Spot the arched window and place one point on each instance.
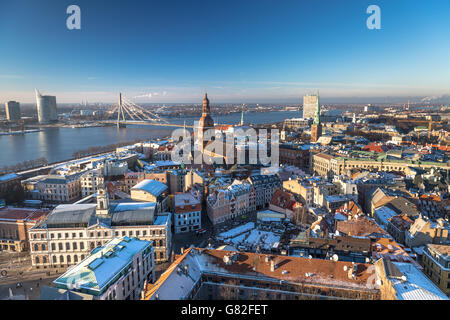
(43, 247)
(44, 259)
(37, 260)
(67, 246)
(61, 258)
(36, 247)
(54, 259)
(74, 246)
(75, 258)
(69, 259)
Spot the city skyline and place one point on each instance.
(264, 52)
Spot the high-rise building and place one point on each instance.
(12, 110)
(310, 105)
(46, 108)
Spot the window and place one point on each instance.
(81, 235)
(67, 246)
(82, 245)
(68, 259)
(53, 247)
(60, 246)
(37, 260)
(36, 247)
(75, 259)
(54, 259)
(74, 246)
(67, 235)
(61, 259)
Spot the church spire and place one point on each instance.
(206, 108)
(317, 116)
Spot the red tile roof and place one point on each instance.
(22, 214)
(360, 227)
(283, 199)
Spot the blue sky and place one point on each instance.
(239, 51)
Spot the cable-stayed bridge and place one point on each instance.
(128, 112)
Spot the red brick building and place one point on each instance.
(14, 226)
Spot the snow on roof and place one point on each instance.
(384, 214)
(7, 177)
(134, 206)
(177, 282)
(153, 187)
(165, 163)
(96, 271)
(162, 219)
(417, 286)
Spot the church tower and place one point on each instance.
(316, 128)
(205, 123)
(102, 201)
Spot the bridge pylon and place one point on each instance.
(119, 112)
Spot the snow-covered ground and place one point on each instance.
(254, 237)
(237, 231)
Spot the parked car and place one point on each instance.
(200, 231)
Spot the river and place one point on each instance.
(58, 144)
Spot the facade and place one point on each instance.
(297, 156)
(70, 232)
(151, 191)
(59, 189)
(397, 227)
(322, 164)
(231, 202)
(14, 226)
(118, 270)
(264, 186)
(46, 108)
(187, 213)
(310, 105)
(90, 181)
(424, 231)
(9, 183)
(436, 263)
(218, 274)
(176, 180)
(301, 188)
(12, 111)
(296, 123)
